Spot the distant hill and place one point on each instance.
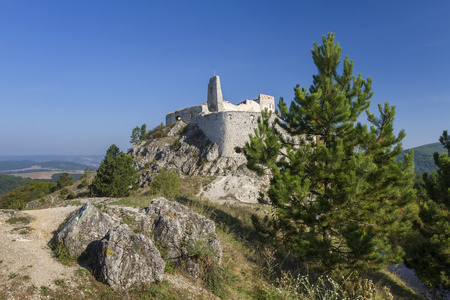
(25, 166)
(423, 157)
(42, 168)
(88, 160)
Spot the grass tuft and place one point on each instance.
(15, 220)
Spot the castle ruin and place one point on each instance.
(223, 123)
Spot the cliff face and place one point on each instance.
(187, 151)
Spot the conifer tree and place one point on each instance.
(336, 188)
(429, 253)
(116, 175)
(138, 134)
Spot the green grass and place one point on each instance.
(44, 290)
(62, 254)
(16, 220)
(397, 286)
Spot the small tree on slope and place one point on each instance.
(336, 188)
(116, 175)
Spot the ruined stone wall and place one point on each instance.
(266, 102)
(229, 129)
(187, 115)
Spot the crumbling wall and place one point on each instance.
(229, 130)
(187, 115)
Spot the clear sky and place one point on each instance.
(78, 76)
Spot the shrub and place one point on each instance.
(15, 220)
(176, 145)
(64, 191)
(156, 133)
(64, 179)
(62, 254)
(166, 183)
(71, 196)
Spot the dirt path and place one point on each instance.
(25, 258)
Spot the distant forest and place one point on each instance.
(423, 157)
(9, 183)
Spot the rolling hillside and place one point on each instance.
(423, 157)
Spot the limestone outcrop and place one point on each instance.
(188, 152)
(129, 247)
(85, 226)
(181, 233)
(125, 260)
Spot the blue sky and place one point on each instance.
(77, 76)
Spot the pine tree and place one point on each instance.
(116, 175)
(429, 252)
(336, 188)
(138, 134)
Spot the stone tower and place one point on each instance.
(215, 98)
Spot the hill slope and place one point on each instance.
(423, 157)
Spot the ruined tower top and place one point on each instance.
(215, 98)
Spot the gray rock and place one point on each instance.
(175, 130)
(185, 237)
(6, 213)
(33, 204)
(195, 155)
(213, 154)
(165, 231)
(86, 225)
(125, 260)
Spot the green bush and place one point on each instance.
(166, 183)
(159, 131)
(15, 220)
(64, 180)
(62, 254)
(176, 145)
(71, 196)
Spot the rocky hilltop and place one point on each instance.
(184, 149)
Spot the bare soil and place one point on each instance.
(25, 258)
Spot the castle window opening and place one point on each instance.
(178, 118)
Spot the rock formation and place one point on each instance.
(127, 246)
(124, 260)
(86, 225)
